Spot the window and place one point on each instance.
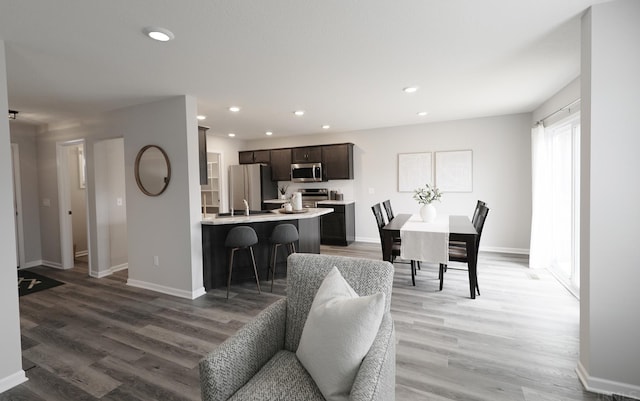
(562, 141)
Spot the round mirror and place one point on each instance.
(152, 170)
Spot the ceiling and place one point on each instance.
(345, 62)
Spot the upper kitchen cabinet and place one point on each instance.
(337, 161)
(280, 164)
(254, 156)
(311, 154)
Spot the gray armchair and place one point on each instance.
(259, 362)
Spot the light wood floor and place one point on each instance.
(98, 339)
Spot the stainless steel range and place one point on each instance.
(311, 196)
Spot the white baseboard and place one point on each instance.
(368, 239)
(49, 263)
(499, 249)
(81, 253)
(496, 249)
(110, 270)
(605, 386)
(31, 264)
(167, 290)
(12, 380)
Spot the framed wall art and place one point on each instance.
(414, 170)
(454, 171)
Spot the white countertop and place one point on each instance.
(324, 202)
(276, 200)
(275, 215)
(335, 202)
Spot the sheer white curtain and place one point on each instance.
(541, 225)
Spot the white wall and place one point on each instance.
(47, 140)
(11, 373)
(111, 216)
(501, 172)
(166, 226)
(609, 320)
(562, 98)
(24, 135)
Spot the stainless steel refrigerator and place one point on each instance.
(253, 183)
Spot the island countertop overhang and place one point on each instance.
(276, 215)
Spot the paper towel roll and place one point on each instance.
(296, 201)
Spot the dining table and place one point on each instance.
(460, 229)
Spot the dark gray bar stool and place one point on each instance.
(282, 234)
(241, 237)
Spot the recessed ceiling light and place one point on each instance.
(299, 113)
(159, 34)
(410, 89)
(234, 109)
(231, 134)
(422, 113)
(201, 117)
(326, 126)
(268, 133)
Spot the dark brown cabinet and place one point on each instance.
(254, 156)
(311, 154)
(280, 164)
(338, 227)
(337, 161)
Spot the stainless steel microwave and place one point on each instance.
(306, 172)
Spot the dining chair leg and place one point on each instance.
(274, 258)
(441, 274)
(232, 251)
(413, 272)
(255, 269)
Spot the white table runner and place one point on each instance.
(427, 242)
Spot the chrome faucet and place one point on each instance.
(246, 207)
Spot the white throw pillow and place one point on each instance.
(337, 335)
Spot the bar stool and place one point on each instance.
(282, 234)
(241, 237)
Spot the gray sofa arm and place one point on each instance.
(376, 379)
(240, 357)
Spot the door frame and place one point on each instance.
(64, 204)
(17, 197)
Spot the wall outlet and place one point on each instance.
(119, 201)
(372, 191)
(46, 202)
(156, 261)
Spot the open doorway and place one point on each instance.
(72, 198)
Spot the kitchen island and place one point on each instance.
(214, 254)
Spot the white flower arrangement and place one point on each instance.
(427, 194)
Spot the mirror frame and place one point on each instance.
(137, 170)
